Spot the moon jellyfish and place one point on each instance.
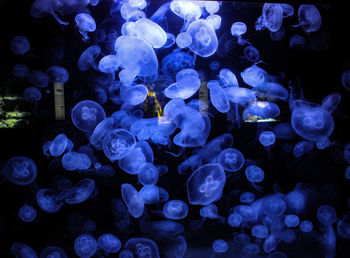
(149, 194)
(205, 185)
(27, 213)
(273, 206)
(302, 147)
(117, 143)
(136, 55)
(212, 6)
(19, 45)
(177, 61)
(175, 209)
(20, 170)
(20, 71)
(238, 29)
(278, 35)
(204, 40)
(126, 254)
(75, 161)
(187, 84)
(247, 197)
(132, 161)
(241, 238)
(21, 250)
(214, 21)
(148, 174)
(150, 32)
(142, 247)
(309, 18)
(87, 58)
(38, 79)
(85, 245)
(183, 40)
(330, 102)
(260, 231)
(80, 192)
(53, 251)
(326, 215)
(267, 138)
(291, 220)
(271, 90)
(254, 75)
(272, 16)
(85, 24)
(109, 243)
(251, 248)
(234, 219)
(32, 94)
(170, 40)
(260, 110)
(58, 145)
(186, 9)
(251, 53)
(132, 200)
(297, 42)
(220, 246)
(306, 226)
(231, 159)
(214, 65)
(134, 94)
(240, 96)
(218, 97)
(57, 74)
(345, 79)
(48, 200)
(109, 64)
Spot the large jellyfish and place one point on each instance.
(271, 90)
(20, 170)
(260, 110)
(254, 75)
(75, 161)
(85, 245)
(79, 192)
(134, 94)
(231, 159)
(85, 24)
(175, 209)
(132, 200)
(142, 247)
(38, 79)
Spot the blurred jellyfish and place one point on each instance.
(240, 96)
(260, 110)
(326, 215)
(88, 57)
(107, 33)
(27, 213)
(260, 231)
(270, 243)
(231, 159)
(148, 174)
(132, 161)
(32, 94)
(19, 45)
(214, 65)
(58, 145)
(297, 42)
(345, 79)
(267, 138)
(183, 40)
(254, 75)
(109, 64)
(237, 30)
(126, 253)
(220, 246)
(20, 170)
(214, 21)
(80, 192)
(272, 16)
(287, 9)
(177, 61)
(306, 226)
(284, 130)
(48, 200)
(20, 71)
(38, 79)
(85, 24)
(234, 219)
(53, 251)
(271, 90)
(21, 250)
(109, 243)
(330, 102)
(187, 10)
(132, 200)
(149, 194)
(247, 197)
(57, 74)
(309, 18)
(343, 226)
(302, 147)
(218, 96)
(75, 161)
(251, 248)
(278, 35)
(175, 209)
(85, 245)
(291, 220)
(251, 53)
(142, 247)
(273, 206)
(134, 94)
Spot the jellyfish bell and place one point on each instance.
(109, 64)
(19, 249)
(27, 213)
(132, 200)
(58, 145)
(220, 246)
(142, 247)
(109, 243)
(309, 18)
(32, 94)
(80, 192)
(135, 94)
(150, 32)
(85, 24)
(57, 74)
(48, 200)
(53, 251)
(260, 110)
(19, 45)
(186, 9)
(272, 14)
(88, 57)
(254, 75)
(85, 245)
(218, 97)
(231, 159)
(38, 79)
(20, 170)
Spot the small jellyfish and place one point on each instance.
(19, 45)
(22, 250)
(132, 161)
(80, 192)
(291, 220)
(270, 243)
(254, 174)
(343, 227)
(87, 58)
(20, 71)
(85, 245)
(297, 42)
(345, 79)
(234, 219)
(301, 148)
(251, 248)
(27, 213)
(20, 170)
(38, 79)
(326, 215)
(170, 41)
(309, 18)
(241, 96)
(241, 238)
(214, 65)
(306, 226)
(149, 194)
(85, 24)
(132, 200)
(183, 40)
(109, 243)
(32, 94)
(273, 206)
(53, 252)
(231, 159)
(247, 197)
(175, 209)
(58, 145)
(218, 97)
(267, 138)
(220, 246)
(260, 231)
(57, 74)
(148, 174)
(48, 200)
(254, 75)
(251, 53)
(134, 94)
(109, 64)
(238, 29)
(142, 247)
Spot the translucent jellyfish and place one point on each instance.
(109, 243)
(251, 249)
(75, 161)
(267, 138)
(272, 16)
(254, 75)
(132, 161)
(330, 102)
(260, 231)
(312, 123)
(183, 40)
(214, 65)
(309, 18)
(80, 192)
(220, 246)
(212, 6)
(205, 185)
(162, 228)
(132, 200)
(53, 251)
(234, 219)
(20, 170)
(284, 131)
(345, 79)
(251, 53)
(306, 226)
(150, 32)
(107, 33)
(134, 94)
(240, 96)
(136, 55)
(302, 147)
(109, 64)
(323, 143)
(241, 238)
(87, 114)
(343, 226)
(297, 42)
(20, 71)
(260, 110)
(291, 220)
(85, 24)
(38, 79)
(187, 84)
(126, 253)
(19, 45)
(273, 206)
(48, 200)
(231, 159)
(270, 244)
(148, 174)
(247, 197)
(88, 57)
(248, 213)
(175, 209)
(170, 41)
(218, 97)
(238, 29)
(271, 90)
(20, 250)
(204, 40)
(85, 245)
(214, 20)
(57, 74)
(142, 247)
(326, 215)
(186, 9)
(27, 213)
(177, 61)
(278, 35)
(32, 94)
(149, 194)
(58, 145)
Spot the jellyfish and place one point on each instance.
(170, 41)
(271, 90)
(205, 185)
(107, 33)
(306, 226)
(109, 64)
(343, 226)
(109, 243)
(183, 40)
(302, 147)
(151, 32)
(291, 220)
(272, 16)
(134, 94)
(142, 247)
(231, 159)
(220, 246)
(19, 45)
(175, 209)
(260, 231)
(38, 79)
(80, 192)
(273, 206)
(20, 71)
(20, 250)
(251, 248)
(251, 53)
(214, 65)
(187, 84)
(75, 161)
(57, 74)
(53, 251)
(85, 24)
(27, 213)
(330, 102)
(32, 94)
(187, 10)
(284, 130)
(234, 219)
(267, 138)
(260, 110)
(210, 211)
(218, 97)
(345, 79)
(241, 238)
(326, 215)
(48, 200)
(177, 61)
(237, 30)
(126, 254)
(148, 174)
(132, 161)
(248, 213)
(297, 42)
(58, 145)
(20, 170)
(204, 39)
(270, 243)
(247, 197)
(88, 57)
(132, 200)
(214, 20)
(254, 75)
(162, 228)
(241, 96)
(149, 194)
(309, 18)
(278, 35)
(85, 245)
(323, 143)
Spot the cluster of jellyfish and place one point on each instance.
(125, 48)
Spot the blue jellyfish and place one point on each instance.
(267, 138)
(107, 33)
(297, 42)
(170, 41)
(302, 147)
(241, 238)
(220, 246)
(57, 74)
(85, 24)
(271, 90)
(20, 71)
(347, 173)
(20, 250)
(148, 152)
(237, 30)
(291, 220)
(19, 45)
(132, 161)
(175, 209)
(183, 40)
(254, 75)
(48, 200)
(148, 174)
(326, 215)
(58, 145)
(309, 18)
(306, 226)
(271, 18)
(214, 65)
(251, 53)
(234, 219)
(288, 10)
(323, 143)
(142, 247)
(38, 79)
(231, 159)
(126, 253)
(88, 57)
(90, 225)
(187, 84)
(109, 243)
(162, 228)
(205, 185)
(254, 174)
(240, 96)
(20, 170)
(345, 79)
(251, 248)
(218, 97)
(176, 61)
(210, 211)
(270, 243)
(278, 35)
(212, 6)
(87, 114)
(247, 197)
(85, 245)
(273, 206)
(187, 10)
(330, 102)
(149, 194)
(151, 32)
(27, 213)
(100, 131)
(75, 161)
(132, 200)
(134, 94)
(284, 130)
(53, 251)
(343, 226)
(260, 110)
(80, 192)
(214, 20)
(109, 64)
(248, 213)
(260, 231)
(32, 94)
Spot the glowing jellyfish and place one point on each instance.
(58, 145)
(187, 84)
(214, 20)
(186, 9)
(271, 90)
(204, 40)
(254, 75)
(205, 185)
(238, 29)
(326, 215)
(260, 110)
(19, 45)
(345, 79)
(32, 94)
(170, 40)
(85, 245)
(142, 247)
(87, 58)
(27, 213)
(136, 55)
(48, 200)
(80, 192)
(302, 147)
(57, 74)
(218, 97)
(267, 138)
(312, 123)
(183, 40)
(150, 32)
(75, 161)
(306, 226)
(220, 246)
(247, 197)
(273, 206)
(214, 65)
(87, 114)
(212, 6)
(85, 24)
(251, 53)
(175, 209)
(163, 228)
(251, 248)
(134, 94)
(240, 96)
(260, 231)
(291, 220)
(343, 227)
(109, 64)
(20, 250)
(297, 42)
(149, 194)
(270, 243)
(107, 33)
(231, 159)
(38, 79)
(132, 200)
(126, 253)
(148, 174)
(248, 213)
(20, 170)
(309, 18)
(177, 61)
(271, 18)
(109, 243)
(330, 102)
(53, 251)
(132, 161)
(234, 219)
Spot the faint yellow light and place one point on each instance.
(157, 107)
